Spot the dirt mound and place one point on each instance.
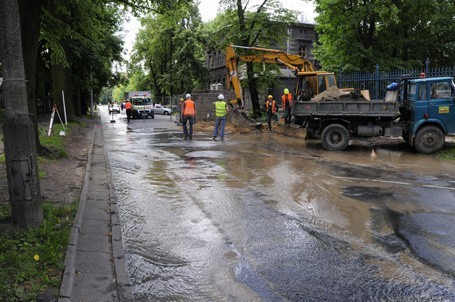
(334, 94)
(208, 126)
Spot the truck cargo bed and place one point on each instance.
(346, 108)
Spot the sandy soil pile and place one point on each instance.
(330, 95)
(208, 126)
(334, 94)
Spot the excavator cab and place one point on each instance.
(314, 83)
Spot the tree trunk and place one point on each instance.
(18, 129)
(62, 82)
(30, 13)
(252, 85)
(77, 99)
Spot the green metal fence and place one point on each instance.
(377, 81)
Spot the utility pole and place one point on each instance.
(18, 129)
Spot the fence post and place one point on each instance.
(427, 63)
(376, 81)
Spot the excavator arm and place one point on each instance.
(264, 55)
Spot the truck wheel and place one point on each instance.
(335, 137)
(429, 139)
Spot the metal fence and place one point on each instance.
(377, 81)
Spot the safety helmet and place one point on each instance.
(286, 91)
(188, 95)
(221, 97)
(270, 97)
(181, 99)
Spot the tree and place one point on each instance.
(19, 54)
(266, 24)
(358, 34)
(20, 145)
(168, 53)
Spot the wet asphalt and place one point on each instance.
(263, 217)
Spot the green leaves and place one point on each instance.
(358, 34)
(168, 57)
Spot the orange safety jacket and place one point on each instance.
(128, 105)
(286, 99)
(274, 108)
(189, 108)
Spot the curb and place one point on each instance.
(70, 257)
(121, 277)
(120, 269)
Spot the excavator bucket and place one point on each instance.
(240, 119)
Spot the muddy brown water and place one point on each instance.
(272, 218)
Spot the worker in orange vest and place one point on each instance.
(189, 116)
(271, 108)
(129, 110)
(286, 102)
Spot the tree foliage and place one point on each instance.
(358, 34)
(81, 38)
(262, 25)
(168, 53)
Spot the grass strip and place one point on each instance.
(31, 261)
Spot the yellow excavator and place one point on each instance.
(309, 81)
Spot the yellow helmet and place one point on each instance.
(270, 97)
(286, 91)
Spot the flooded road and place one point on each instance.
(262, 217)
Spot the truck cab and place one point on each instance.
(429, 105)
(142, 107)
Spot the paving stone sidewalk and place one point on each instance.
(95, 268)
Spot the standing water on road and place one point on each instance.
(262, 217)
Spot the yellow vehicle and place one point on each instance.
(308, 79)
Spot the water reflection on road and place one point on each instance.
(262, 217)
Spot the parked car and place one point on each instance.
(160, 109)
(114, 107)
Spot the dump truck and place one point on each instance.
(422, 113)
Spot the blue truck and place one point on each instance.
(422, 113)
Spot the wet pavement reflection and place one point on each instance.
(263, 217)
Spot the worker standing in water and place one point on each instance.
(271, 109)
(286, 102)
(221, 110)
(128, 108)
(188, 116)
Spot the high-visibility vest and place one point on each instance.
(286, 99)
(220, 108)
(189, 108)
(273, 104)
(128, 105)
